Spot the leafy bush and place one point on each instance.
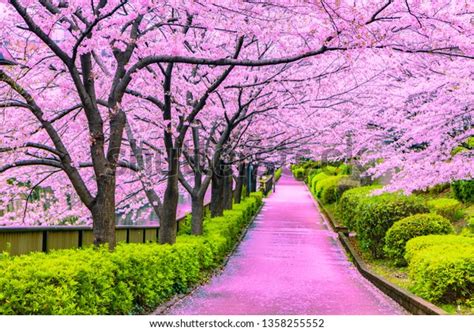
(349, 201)
(131, 279)
(442, 268)
(316, 179)
(326, 189)
(344, 185)
(376, 214)
(344, 169)
(470, 224)
(330, 170)
(449, 208)
(298, 173)
(418, 244)
(278, 173)
(411, 227)
(439, 188)
(311, 174)
(463, 190)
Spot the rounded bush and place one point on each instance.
(376, 214)
(418, 244)
(443, 272)
(330, 170)
(326, 189)
(344, 169)
(349, 201)
(463, 190)
(344, 185)
(449, 208)
(410, 227)
(316, 179)
(311, 174)
(298, 173)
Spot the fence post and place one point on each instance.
(45, 240)
(79, 243)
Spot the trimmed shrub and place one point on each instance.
(443, 270)
(418, 244)
(410, 227)
(449, 208)
(376, 214)
(439, 188)
(278, 174)
(463, 190)
(470, 224)
(344, 169)
(298, 173)
(330, 170)
(349, 201)
(344, 185)
(311, 174)
(132, 279)
(316, 179)
(326, 189)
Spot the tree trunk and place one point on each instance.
(228, 181)
(254, 178)
(168, 224)
(240, 183)
(103, 213)
(217, 195)
(197, 214)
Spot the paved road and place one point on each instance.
(289, 262)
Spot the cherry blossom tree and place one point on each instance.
(91, 70)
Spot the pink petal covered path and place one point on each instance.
(289, 262)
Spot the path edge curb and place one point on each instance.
(412, 303)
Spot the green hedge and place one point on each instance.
(418, 244)
(410, 227)
(349, 201)
(344, 185)
(298, 172)
(326, 189)
(132, 279)
(344, 169)
(442, 268)
(449, 208)
(463, 190)
(315, 179)
(278, 173)
(311, 174)
(376, 214)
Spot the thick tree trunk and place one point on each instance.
(217, 195)
(254, 178)
(168, 224)
(197, 214)
(240, 183)
(103, 213)
(228, 194)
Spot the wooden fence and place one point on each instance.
(22, 240)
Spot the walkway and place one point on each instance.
(288, 263)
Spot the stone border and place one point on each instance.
(331, 222)
(164, 307)
(412, 303)
(407, 300)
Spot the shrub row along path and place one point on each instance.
(289, 262)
